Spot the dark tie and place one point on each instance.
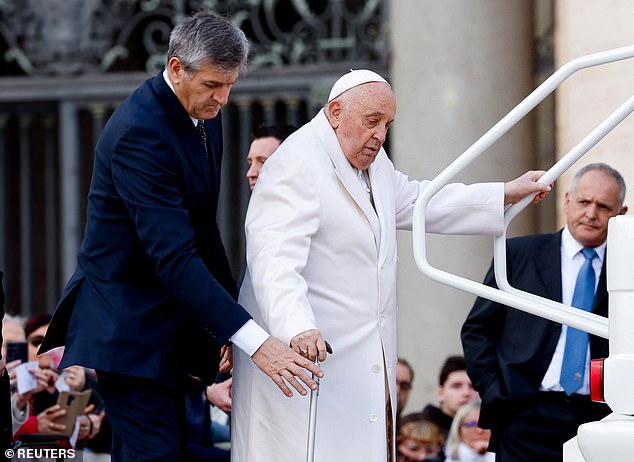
(203, 135)
(574, 362)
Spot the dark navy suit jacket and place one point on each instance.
(508, 351)
(153, 295)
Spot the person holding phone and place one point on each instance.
(31, 410)
(15, 351)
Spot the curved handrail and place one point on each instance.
(506, 294)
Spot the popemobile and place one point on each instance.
(612, 378)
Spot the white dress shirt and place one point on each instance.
(571, 261)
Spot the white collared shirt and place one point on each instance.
(166, 77)
(571, 261)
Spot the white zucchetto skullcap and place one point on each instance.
(352, 79)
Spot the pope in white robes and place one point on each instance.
(321, 252)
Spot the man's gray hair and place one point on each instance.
(605, 168)
(207, 38)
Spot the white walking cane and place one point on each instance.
(312, 415)
(312, 419)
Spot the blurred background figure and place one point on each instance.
(265, 141)
(467, 442)
(418, 439)
(453, 391)
(6, 430)
(35, 329)
(202, 436)
(404, 383)
(36, 411)
(12, 331)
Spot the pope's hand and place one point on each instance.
(285, 366)
(310, 344)
(524, 185)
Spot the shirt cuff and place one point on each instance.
(249, 337)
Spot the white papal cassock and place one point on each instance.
(320, 256)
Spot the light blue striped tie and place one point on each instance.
(574, 362)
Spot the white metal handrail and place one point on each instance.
(507, 294)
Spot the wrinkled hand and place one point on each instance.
(283, 365)
(524, 185)
(226, 359)
(219, 394)
(310, 344)
(46, 420)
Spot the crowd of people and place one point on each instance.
(36, 383)
(448, 431)
(153, 329)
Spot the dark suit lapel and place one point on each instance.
(185, 130)
(601, 297)
(547, 263)
(214, 135)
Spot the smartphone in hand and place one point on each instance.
(74, 402)
(17, 350)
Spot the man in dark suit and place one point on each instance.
(152, 298)
(518, 361)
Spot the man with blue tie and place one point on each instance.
(531, 373)
(152, 300)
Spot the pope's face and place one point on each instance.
(204, 92)
(588, 209)
(361, 119)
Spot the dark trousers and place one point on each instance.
(147, 418)
(540, 427)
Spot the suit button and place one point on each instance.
(376, 369)
(373, 418)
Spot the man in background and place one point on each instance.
(265, 141)
(453, 391)
(532, 373)
(404, 383)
